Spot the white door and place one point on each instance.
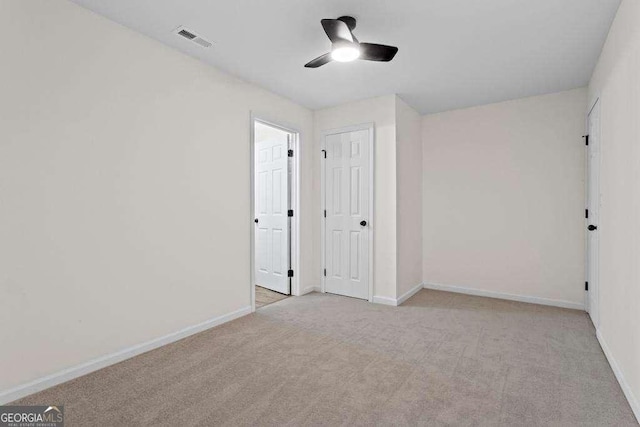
(272, 222)
(593, 212)
(347, 180)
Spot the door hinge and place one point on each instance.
(324, 152)
(290, 213)
(586, 213)
(325, 213)
(586, 286)
(290, 273)
(290, 153)
(325, 272)
(586, 139)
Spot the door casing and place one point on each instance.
(294, 201)
(371, 228)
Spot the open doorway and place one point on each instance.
(275, 224)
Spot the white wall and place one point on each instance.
(124, 188)
(124, 191)
(409, 198)
(616, 81)
(380, 111)
(504, 197)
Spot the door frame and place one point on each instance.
(371, 128)
(594, 289)
(294, 201)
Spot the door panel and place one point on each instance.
(272, 204)
(278, 244)
(262, 253)
(335, 250)
(347, 174)
(593, 204)
(355, 254)
(355, 191)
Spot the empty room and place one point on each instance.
(319, 212)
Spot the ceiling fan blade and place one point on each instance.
(319, 61)
(377, 52)
(336, 30)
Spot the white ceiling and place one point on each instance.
(453, 53)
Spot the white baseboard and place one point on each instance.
(500, 295)
(397, 301)
(110, 359)
(385, 301)
(633, 402)
(411, 292)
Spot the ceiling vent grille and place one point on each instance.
(192, 37)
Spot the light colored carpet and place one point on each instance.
(266, 296)
(440, 359)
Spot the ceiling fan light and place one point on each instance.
(345, 53)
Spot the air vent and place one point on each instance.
(187, 35)
(202, 42)
(192, 37)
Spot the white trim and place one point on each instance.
(252, 212)
(372, 201)
(371, 128)
(323, 206)
(411, 292)
(295, 202)
(633, 401)
(591, 107)
(398, 301)
(510, 297)
(113, 358)
(385, 301)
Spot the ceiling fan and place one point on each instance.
(346, 47)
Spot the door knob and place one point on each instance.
(363, 223)
(592, 227)
(255, 220)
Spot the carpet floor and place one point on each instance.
(266, 296)
(439, 359)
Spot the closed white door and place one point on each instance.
(347, 180)
(593, 212)
(272, 222)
